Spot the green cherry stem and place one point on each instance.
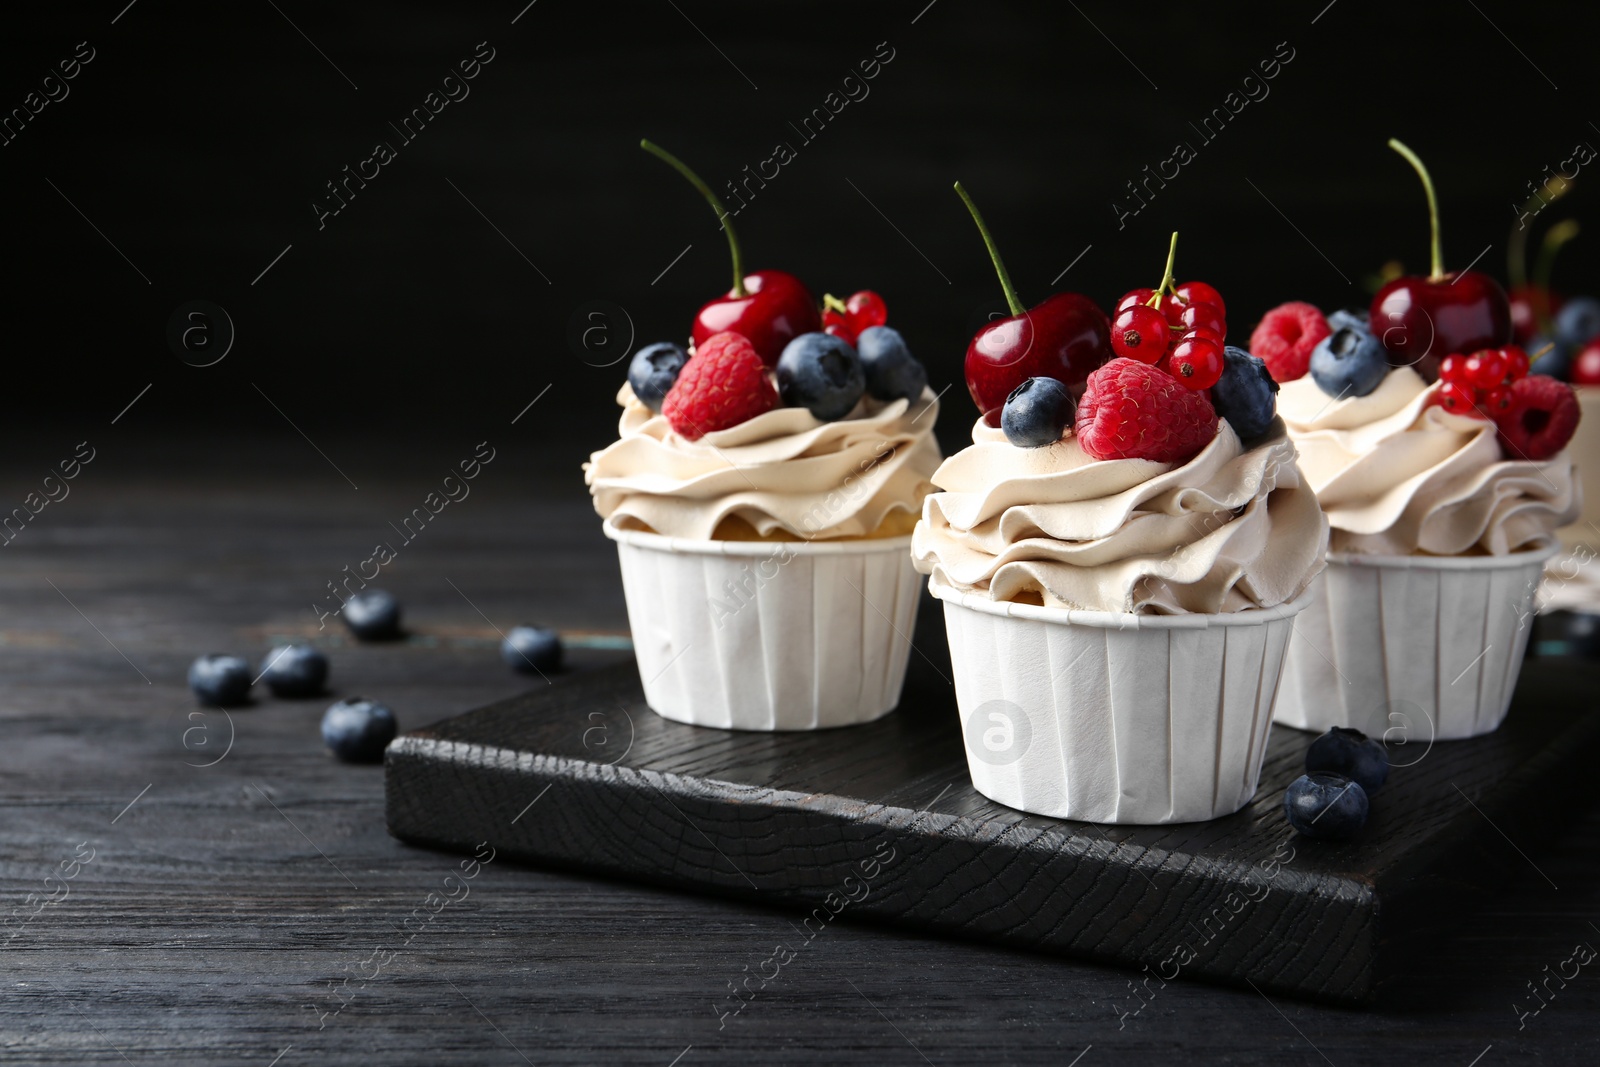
(1166, 276)
(1554, 238)
(716, 205)
(1012, 300)
(1433, 205)
(1517, 243)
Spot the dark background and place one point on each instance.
(200, 135)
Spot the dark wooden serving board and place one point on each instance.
(881, 823)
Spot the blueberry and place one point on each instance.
(531, 649)
(893, 373)
(295, 671)
(373, 615)
(1329, 807)
(1557, 362)
(357, 730)
(1354, 319)
(1245, 395)
(1036, 413)
(1352, 754)
(219, 680)
(653, 370)
(822, 374)
(1349, 362)
(1578, 321)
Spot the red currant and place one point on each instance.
(1485, 369)
(1204, 317)
(1196, 362)
(1516, 362)
(1172, 307)
(841, 331)
(1453, 369)
(866, 309)
(1458, 399)
(1201, 293)
(1209, 335)
(1496, 402)
(1133, 297)
(1140, 333)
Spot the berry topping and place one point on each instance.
(723, 384)
(1037, 413)
(357, 730)
(1540, 419)
(1131, 410)
(864, 310)
(1517, 362)
(1352, 754)
(1140, 333)
(1203, 317)
(1458, 399)
(1201, 293)
(1285, 338)
(1134, 297)
(1327, 807)
(653, 370)
(1485, 369)
(1350, 361)
(1586, 368)
(1196, 362)
(893, 373)
(1245, 395)
(822, 374)
(1338, 320)
(1578, 321)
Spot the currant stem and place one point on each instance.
(1012, 300)
(716, 205)
(1517, 244)
(1433, 205)
(1166, 276)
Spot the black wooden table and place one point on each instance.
(177, 900)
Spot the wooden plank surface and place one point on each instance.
(227, 898)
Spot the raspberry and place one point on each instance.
(723, 384)
(1285, 337)
(1540, 420)
(1132, 410)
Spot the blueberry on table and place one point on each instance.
(654, 370)
(357, 730)
(220, 680)
(531, 649)
(822, 374)
(1352, 754)
(295, 671)
(893, 373)
(373, 615)
(1350, 361)
(1037, 413)
(1246, 394)
(1327, 807)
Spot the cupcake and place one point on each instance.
(1440, 463)
(761, 493)
(1119, 579)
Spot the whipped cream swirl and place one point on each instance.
(783, 475)
(1399, 476)
(1229, 530)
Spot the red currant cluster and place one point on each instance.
(1180, 329)
(1480, 385)
(845, 319)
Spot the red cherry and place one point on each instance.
(1196, 362)
(1132, 297)
(1517, 362)
(866, 309)
(1201, 293)
(1453, 369)
(1204, 317)
(1485, 369)
(1586, 367)
(1457, 399)
(775, 309)
(1140, 333)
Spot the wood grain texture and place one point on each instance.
(207, 921)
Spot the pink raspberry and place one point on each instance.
(1132, 410)
(723, 384)
(1284, 338)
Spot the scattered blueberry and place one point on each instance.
(893, 373)
(357, 730)
(822, 374)
(1350, 361)
(295, 671)
(1328, 807)
(1037, 412)
(1352, 319)
(1352, 754)
(531, 649)
(653, 370)
(373, 615)
(1245, 395)
(1578, 321)
(1557, 362)
(219, 680)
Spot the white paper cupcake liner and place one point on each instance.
(1412, 648)
(1115, 718)
(756, 635)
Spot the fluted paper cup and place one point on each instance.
(1415, 648)
(1115, 718)
(758, 635)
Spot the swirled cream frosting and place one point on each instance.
(1229, 530)
(783, 475)
(1399, 476)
